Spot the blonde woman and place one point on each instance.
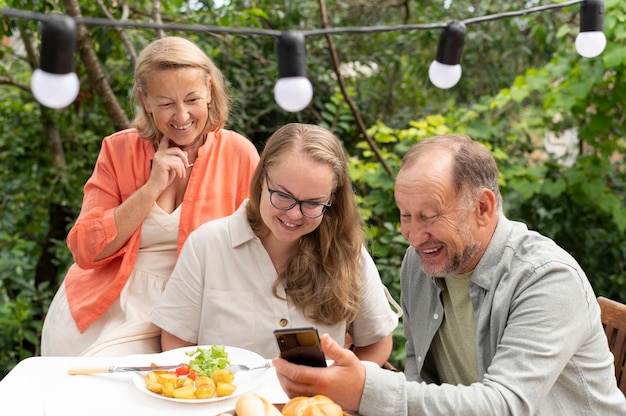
(152, 185)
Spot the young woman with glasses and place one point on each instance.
(292, 256)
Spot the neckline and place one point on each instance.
(190, 145)
(164, 212)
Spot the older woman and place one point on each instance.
(151, 187)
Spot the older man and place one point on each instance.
(499, 320)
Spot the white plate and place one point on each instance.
(244, 380)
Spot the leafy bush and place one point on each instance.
(46, 156)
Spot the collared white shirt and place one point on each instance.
(221, 293)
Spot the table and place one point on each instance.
(41, 386)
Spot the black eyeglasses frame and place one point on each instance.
(296, 201)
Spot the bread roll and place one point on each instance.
(312, 406)
(255, 405)
(250, 405)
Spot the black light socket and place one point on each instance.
(291, 54)
(58, 44)
(592, 16)
(451, 41)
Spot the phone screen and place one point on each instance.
(300, 346)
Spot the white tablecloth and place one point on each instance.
(41, 386)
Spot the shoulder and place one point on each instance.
(211, 230)
(528, 245)
(233, 140)
(126, 144)
(126, 139)
(230, 229)
(517, 254)
(366, 260)
(124, 136)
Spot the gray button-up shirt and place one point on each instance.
(540, 343)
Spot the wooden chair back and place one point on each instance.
(614, 321)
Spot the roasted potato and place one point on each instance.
(183, 387)
(223, 376)
(224, 389)
(205, 391)
(185, 392)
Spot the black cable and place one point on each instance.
(93, 21)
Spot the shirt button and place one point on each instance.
(436, 316)
(283, 322)
(419, 359)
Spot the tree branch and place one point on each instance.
(94, 70)
(156, 16)
(4, 80)
(346, 95)
(127, 43)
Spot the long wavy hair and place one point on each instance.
(323, 276)
(173, 52)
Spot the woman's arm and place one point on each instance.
(377, 352)
(169, 341)
(106, 223)
(167, 165)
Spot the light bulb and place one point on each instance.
(55, 85)
(590, 44)
(293, 94)
(591, 41)
(444, 76)
(293, 90)
(54, 90)
(445, 71)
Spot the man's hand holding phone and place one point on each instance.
(343, 381)
(300, 346)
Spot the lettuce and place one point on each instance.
(208, 360)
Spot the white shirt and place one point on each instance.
(221, 293)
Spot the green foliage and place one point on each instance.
(20, 327)
(521, 79)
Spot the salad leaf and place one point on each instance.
(208, 360)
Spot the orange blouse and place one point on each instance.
(218, 184)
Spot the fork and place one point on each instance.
(240, 367)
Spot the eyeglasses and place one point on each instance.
(285, 202)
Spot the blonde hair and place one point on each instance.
(172, 53)
(323, 277)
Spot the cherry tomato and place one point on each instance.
(192, 374)
(183, 370)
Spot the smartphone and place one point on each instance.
(300, 346)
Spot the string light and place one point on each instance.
(54, 84)
(293, 90)
(445, 71)
(591, 41)
(291, 48)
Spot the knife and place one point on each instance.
(115, 369)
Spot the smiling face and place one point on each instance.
(178, 100)
(444, 228)
(303, 179)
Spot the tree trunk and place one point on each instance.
(94, 70)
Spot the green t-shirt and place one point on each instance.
(454, 346)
